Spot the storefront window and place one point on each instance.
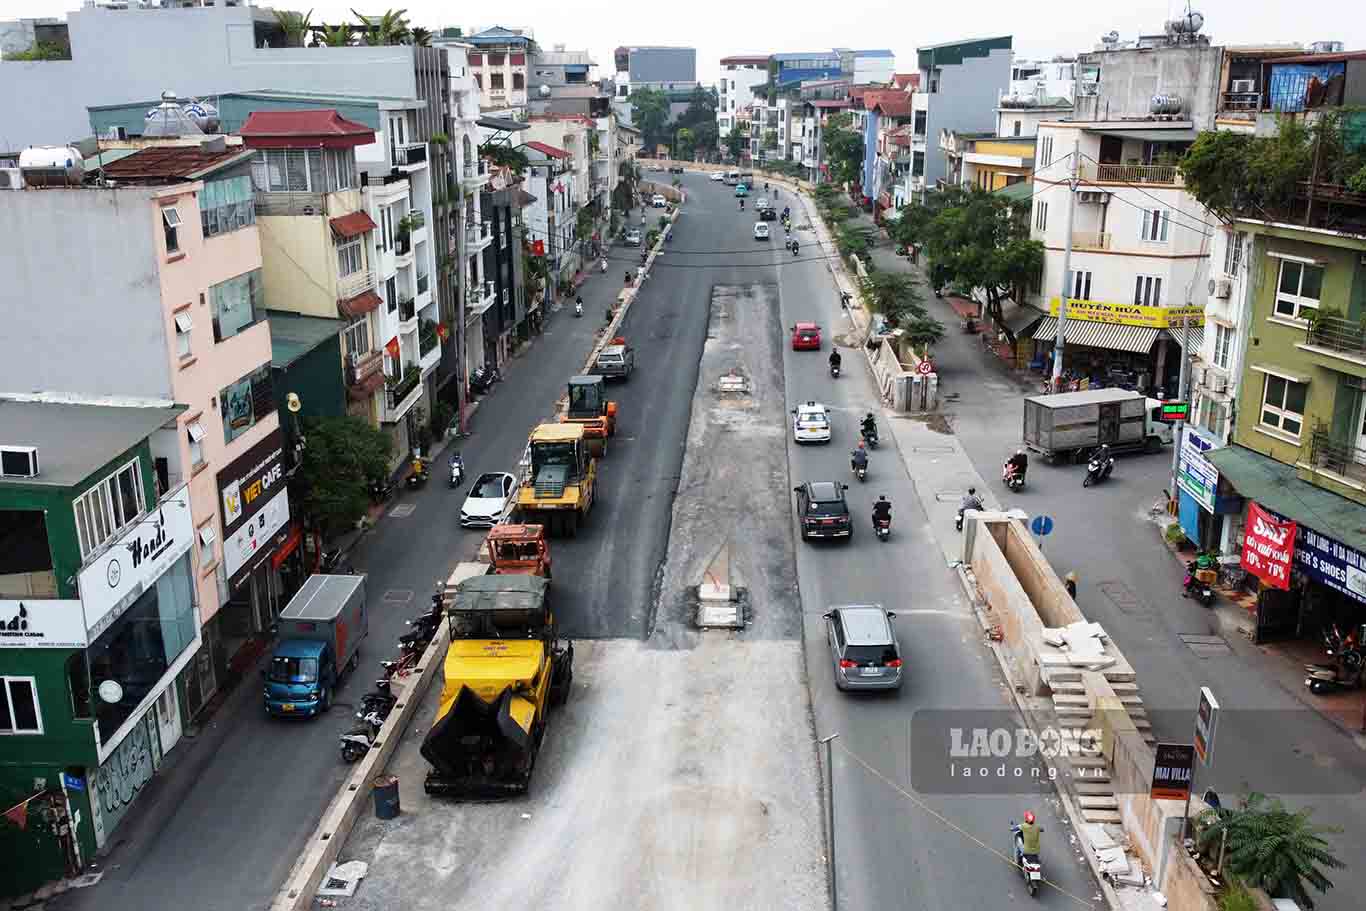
(137, 649)
(245, 402)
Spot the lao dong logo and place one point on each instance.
(1009, 752)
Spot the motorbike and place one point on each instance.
(578, 308)
(1013, 478)
(1191, 585)
(381, 700)
(861, 472)
(457, 470)
(1349, 663)
(1098, 470)
(381, 489)
(794, 248)
(1030, 867)
(834, 371)
(882, 528)
(483, 378)
(870, 437)
(333, 563)
(356, 742)
(958, 522)
(420, 474)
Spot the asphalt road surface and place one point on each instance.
(896, 847)
(219, 830)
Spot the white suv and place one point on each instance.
(761, 230)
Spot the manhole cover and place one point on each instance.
(398, 596)
(1206, 646)
(1124, 598)
(402, 510)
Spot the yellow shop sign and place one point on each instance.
(1129, 314)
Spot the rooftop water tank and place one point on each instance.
(52, 166)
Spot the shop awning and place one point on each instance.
(1277, 487)
(1197, 336)
(353, 225)
(1115, 337)
(1019, 320)
(361, 304)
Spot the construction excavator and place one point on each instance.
(504, 669)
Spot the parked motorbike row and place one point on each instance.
(1348, 662)
(376, 705)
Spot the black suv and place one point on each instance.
(822, 510)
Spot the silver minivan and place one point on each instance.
(863, 647)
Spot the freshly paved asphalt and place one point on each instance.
(221, 827)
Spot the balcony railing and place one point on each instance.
(410, 153)
(1090, 240)
(1341, 457)
(1240, 102)
(417, 218)
(423, 283)
(476, 173)
(360, 367)
(1137, 173)
(1338, 334)
(406, 310)
(291, 204)
(348, 286)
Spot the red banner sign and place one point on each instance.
(1268, 547)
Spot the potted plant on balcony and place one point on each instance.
(403, 236)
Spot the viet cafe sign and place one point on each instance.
(1129, 314)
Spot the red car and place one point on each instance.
(806, 337)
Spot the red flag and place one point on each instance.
(441, 331)
(391, 346)
(1268, 547)
(19, 815)
(538, 248)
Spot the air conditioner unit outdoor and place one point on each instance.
(1197, 376)
(1243, 86)
(1091, 196)
(11, 179)
(1223, 288)
(19, 461)
(1220, 384)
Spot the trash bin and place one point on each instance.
(386, 797)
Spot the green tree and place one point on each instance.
(294, 25)
(853, 240)
(1271, 847)
(896, 296)
(684, 144)
(981, 240)
(504, 157)
(336, 35)
(650, 109)
(421, 37)
(843, 149)
(736, 141)
(389, 28)
(340, 459)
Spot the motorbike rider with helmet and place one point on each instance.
(834, 359)
(869, 427)
(1018, 464)
(859, 457)
(882, 509)
(1027, 837)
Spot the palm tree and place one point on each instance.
(421, 37)
(294, 25)
(1271, 847)
(390, 28)
(337, 35)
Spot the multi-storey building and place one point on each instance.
(669, 69)
(740, 77)
(1055, 78)
(99, 589)
(562, 82)
(174, 228)
(498, 60)
(959, 87)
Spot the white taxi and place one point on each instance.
(810, 423)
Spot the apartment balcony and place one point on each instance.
(1338, 456)
(477, 237)
(364, 374)
(429, 345)
(1162, 175)
(1243, 105)
(410, 155)
(403, 251)
(401, 395)
(1090, 240)
(349, 286)
(268, 204)
(481, 297)
(475, 176)
(1340, 345)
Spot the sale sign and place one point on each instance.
(1268, 547)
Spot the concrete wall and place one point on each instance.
(82, 270)
(1008, 604)
(1129, 78)
(966, 102)
(664, 64)
(123, 55)
(299, 258)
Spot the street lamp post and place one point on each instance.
(830, 815)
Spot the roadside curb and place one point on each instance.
(1074, 817)
(334, 827)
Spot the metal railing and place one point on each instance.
(1090, 240)
(476, 172)
(410, 153)
(1341, 457)
(397, 392)
(406, 310)
(1137, 173)
(361, 367)
(348, 286)
(291, 203)
(1339, 334)
(1240, 102)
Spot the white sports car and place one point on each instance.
(717, 175)
(488, 500)
(810, 423)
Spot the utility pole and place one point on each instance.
(1058, 337)
(1181, 380)
(830, 815)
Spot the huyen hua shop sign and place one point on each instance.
(255, 505)
(111, 582)
(1129, 314)
(1268, 547)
